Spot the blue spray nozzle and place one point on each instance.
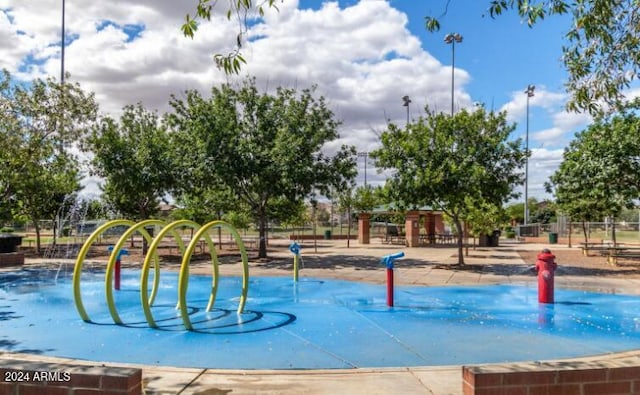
(388, 259)
(294, 248)
(123, 251)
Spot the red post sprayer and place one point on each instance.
(388, 261)
(545, 267)
(116, 278)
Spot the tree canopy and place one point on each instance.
(599, 174)
(268, 149)
(40, 123)
(132, 155)
(452, 163)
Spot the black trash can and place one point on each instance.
(9, 242)
(495, 238)
(327, 235)
(553, 238)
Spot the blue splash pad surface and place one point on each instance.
(315, 323)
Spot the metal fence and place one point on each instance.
(625, 231)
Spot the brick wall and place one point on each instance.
(11, 259)
(562, 378)
(21, 377)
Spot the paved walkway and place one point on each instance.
(421, 266)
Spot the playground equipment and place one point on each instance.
(388, 261)
(295, 249)
(545, 266)
(147, 299)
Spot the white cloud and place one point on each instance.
(517, 108)
(363, 63)
(542, 164)
(571, 120)
(551, 126)
(550, 134)
(363, 59)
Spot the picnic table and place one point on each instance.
(595, 246)
(621, 251)
(611, 250)
(249, 242)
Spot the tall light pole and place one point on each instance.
(364, 155)
(62, 46)
(452, 38)
(529, 93)
(406, 101)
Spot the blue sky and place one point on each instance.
(363, 56)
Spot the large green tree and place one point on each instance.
(264, 147)
(40, 124)
(133, 156)
(600, 55)
(599, 174)
(453, 163)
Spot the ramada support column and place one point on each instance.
(412, 228)
(430, 227)
(439, 223)
(363, 228)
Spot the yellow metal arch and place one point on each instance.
(77, 271)
(144, 297)
(183, 279)
(108, 277)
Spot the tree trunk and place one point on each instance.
(55, 232)
(348, 227)
(220, 231)
(460, 243)
(613, 231)
(37, 225)
(331, 218)
(315, 237)
(145, 243)
(262, 232)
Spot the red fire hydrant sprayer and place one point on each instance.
(388, 261)
(545, 267)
